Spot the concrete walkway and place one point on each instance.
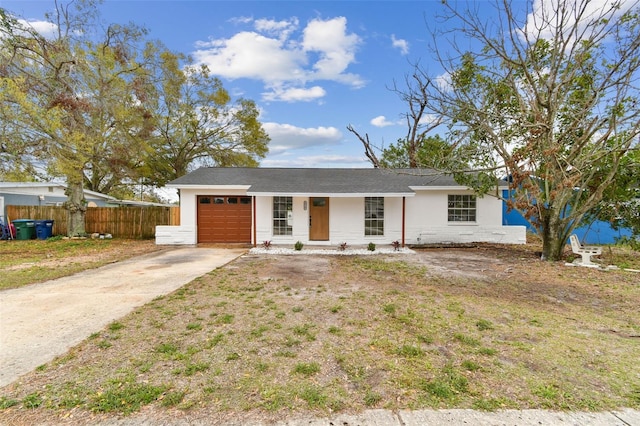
(39, 322)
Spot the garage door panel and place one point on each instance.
(224, 219)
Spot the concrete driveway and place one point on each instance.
(39, 322)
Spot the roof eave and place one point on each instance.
(207, 187)
(331, 194)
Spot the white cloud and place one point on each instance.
(428, 119)
(336, 48)
(44, 28)
(401, 44)
(284, 57)
(251, 55)
(546, 15)
(294, 94)
(285, 137)
(443, 82)
(381, 121)
(281, 29)
(241, 20)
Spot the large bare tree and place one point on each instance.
(547, 96)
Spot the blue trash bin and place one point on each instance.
(44, 229)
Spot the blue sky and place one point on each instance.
(313, 67)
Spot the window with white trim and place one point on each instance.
(282, 213)
(373, 216)
(462, 208)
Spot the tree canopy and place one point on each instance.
(197, 123)
(104, 108)
(69, 98)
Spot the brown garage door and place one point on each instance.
(224, 219)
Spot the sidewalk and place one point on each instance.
(41, 321)
(454, 417)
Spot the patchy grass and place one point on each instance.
(33, 261)
(267, 335)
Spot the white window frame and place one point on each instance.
(462, 208)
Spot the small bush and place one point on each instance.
(266, 244)
(396, 245)
(343, 246)
(298, 245)
(371, 247)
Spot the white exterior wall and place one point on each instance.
(346, 222)
(425, 220)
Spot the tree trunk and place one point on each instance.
(552, 241)
(77, 207)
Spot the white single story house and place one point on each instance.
(331, 206)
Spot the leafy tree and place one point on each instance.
(197, 123)
(430, 152)
(70, 98)
(548, 99)
(621, 203)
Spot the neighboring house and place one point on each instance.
(45, 194)
(596, 232)
(136, 203)
(331, 206)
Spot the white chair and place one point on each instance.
(585, 251)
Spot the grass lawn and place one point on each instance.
(30, 261)
(485, 328)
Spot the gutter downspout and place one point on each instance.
(403, 214)
(255, 232)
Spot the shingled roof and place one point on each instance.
(292, 181)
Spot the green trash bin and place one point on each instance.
(25, 229)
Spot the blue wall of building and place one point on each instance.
(597, 232)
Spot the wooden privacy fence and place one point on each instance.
(121, 222)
